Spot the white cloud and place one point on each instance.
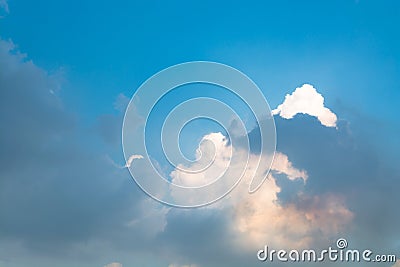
(214, 160)
(260, 217)
(216, 151)
(306, 100)
(113, 264)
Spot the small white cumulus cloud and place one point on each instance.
(306, 100)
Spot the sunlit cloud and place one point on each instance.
(261, 217)
(306, 100)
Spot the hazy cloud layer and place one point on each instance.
(56, 194)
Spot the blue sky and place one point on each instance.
(64, 198)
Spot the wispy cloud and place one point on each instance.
(131, 159)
